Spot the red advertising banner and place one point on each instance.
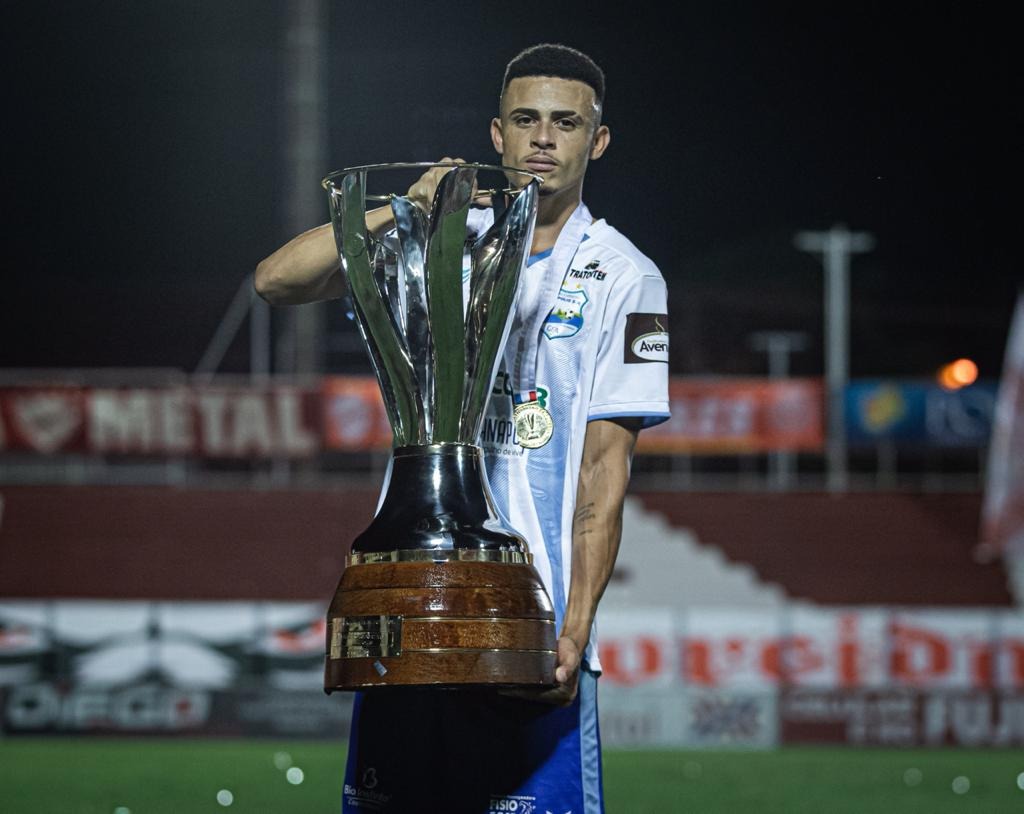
(721, 416)
(346, 413)
(708, 416)
(827, 648)
(354, 415)
(212, 422)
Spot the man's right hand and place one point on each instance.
(306, 268)
(422, 192)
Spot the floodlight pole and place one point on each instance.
(836, 247)
(779, 345)
(300, 340)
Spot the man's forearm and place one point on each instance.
(302, 270)
(306, 268)
(597, 523)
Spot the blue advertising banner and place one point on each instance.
(919, 413)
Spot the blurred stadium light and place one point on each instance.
(957, 374)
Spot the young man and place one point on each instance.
(589, 339)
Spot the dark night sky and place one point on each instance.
(144, 162)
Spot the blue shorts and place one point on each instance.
(473, 752)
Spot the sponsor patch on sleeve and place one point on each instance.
(646, 338)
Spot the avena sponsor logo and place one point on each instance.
(646, 338)
(652, 347)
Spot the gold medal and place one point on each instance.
(534, 426)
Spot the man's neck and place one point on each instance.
(552, 214)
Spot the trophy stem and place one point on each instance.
(437, 500)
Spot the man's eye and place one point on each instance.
(522, 120)
(566, 124)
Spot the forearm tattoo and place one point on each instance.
(584, 517)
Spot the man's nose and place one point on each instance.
(543, 137)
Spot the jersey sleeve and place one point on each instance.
(631, 373)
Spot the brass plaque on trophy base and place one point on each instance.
(443, 623)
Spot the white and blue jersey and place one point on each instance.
(603, 353)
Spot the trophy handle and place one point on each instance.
(376, 324)
(498, 258)
(445, 241)
(411, 229)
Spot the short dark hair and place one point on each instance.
(560, 61)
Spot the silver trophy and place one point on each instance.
(438, 590)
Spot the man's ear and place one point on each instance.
(496, 136)
(602, 138)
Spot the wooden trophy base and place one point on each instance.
(447, 623)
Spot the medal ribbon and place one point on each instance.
(524, 367)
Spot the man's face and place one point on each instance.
(548, 126)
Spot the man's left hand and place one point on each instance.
(567, 674)
(567, 670)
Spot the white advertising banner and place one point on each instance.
(1009, 666)
(639, 647)
(705, 677)
(942, 649)
(731, 649)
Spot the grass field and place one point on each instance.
(184, 777)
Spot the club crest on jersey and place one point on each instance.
(566, 318)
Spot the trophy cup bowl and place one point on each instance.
(438, 591)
